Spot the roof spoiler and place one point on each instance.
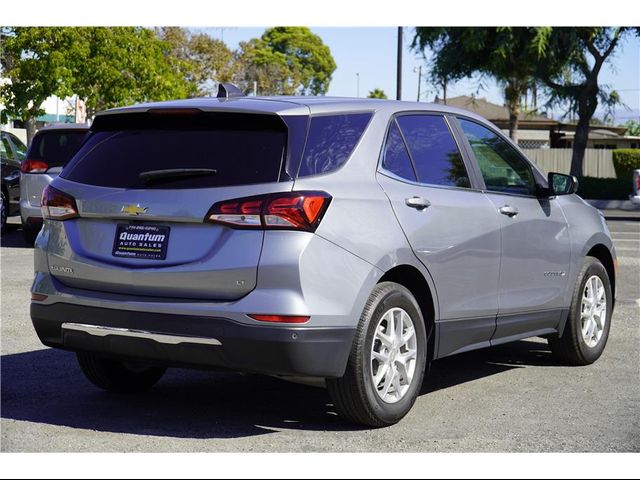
(229, 90)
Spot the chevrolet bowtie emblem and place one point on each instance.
(134, 209)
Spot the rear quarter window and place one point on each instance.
(330, 142)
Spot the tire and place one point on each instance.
(572, 347)
(29, 233)
(116, 376)
(355, 396)
(4, 212)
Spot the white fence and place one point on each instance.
(597, 163)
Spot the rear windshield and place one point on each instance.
(215, 150)
(56, 148)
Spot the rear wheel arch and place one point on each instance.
(412, 279)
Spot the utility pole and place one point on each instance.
(399, 72)
(358, 85)
(419, 70)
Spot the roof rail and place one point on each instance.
(229, 90)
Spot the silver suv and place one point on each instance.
(50, 150)
(353, 241)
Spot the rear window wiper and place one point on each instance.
(175, 173)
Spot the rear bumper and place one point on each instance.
(215, 342)
(30, 213)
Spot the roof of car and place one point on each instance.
(291, 105)
(64, 126)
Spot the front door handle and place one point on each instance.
(418, 203)
(509, 211)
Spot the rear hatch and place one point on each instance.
(49, 152)
(143, 184)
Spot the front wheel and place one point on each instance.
(117, 376)
(387, 362)
(587, 329)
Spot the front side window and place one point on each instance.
(396, 158)
(434, 151)
(331, 141)
(502, 168)
(20, 148)
(7, 153)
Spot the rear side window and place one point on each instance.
(330, 142)
(396, 158)
(434, 151)
(236, 149)
(57, 147)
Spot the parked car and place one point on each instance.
(51, 148)
(635, 196)
(353, 241)
(12, 152)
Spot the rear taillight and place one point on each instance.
(638, 183)
(288, 211)
(34, 166)
(57, 205)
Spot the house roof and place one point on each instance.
(491, 111)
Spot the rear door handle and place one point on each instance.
(509, 211)
(418, 203)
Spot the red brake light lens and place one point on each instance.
(289, 211)
(281, 318)
(34, 166)
(57, 205)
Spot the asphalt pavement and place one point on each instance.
(513, 398)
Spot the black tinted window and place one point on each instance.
(242, 149)
(502, 168)
(434, 151)
(330, 142)
(56, 148)
(396, 159)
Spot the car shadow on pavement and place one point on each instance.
(46, 386)
(471, 366)
(13, 238)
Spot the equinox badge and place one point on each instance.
(134, 209)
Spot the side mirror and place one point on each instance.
(560, 184)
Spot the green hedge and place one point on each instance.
(625, 161)
(592, 188)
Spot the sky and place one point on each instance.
(369, 53)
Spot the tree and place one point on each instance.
(285, 61)
(35, 62)
(117, 66)
(508, 54)
(633, 127)
(106, 67)
(573, 61)
(202, 60)
(377, 93)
